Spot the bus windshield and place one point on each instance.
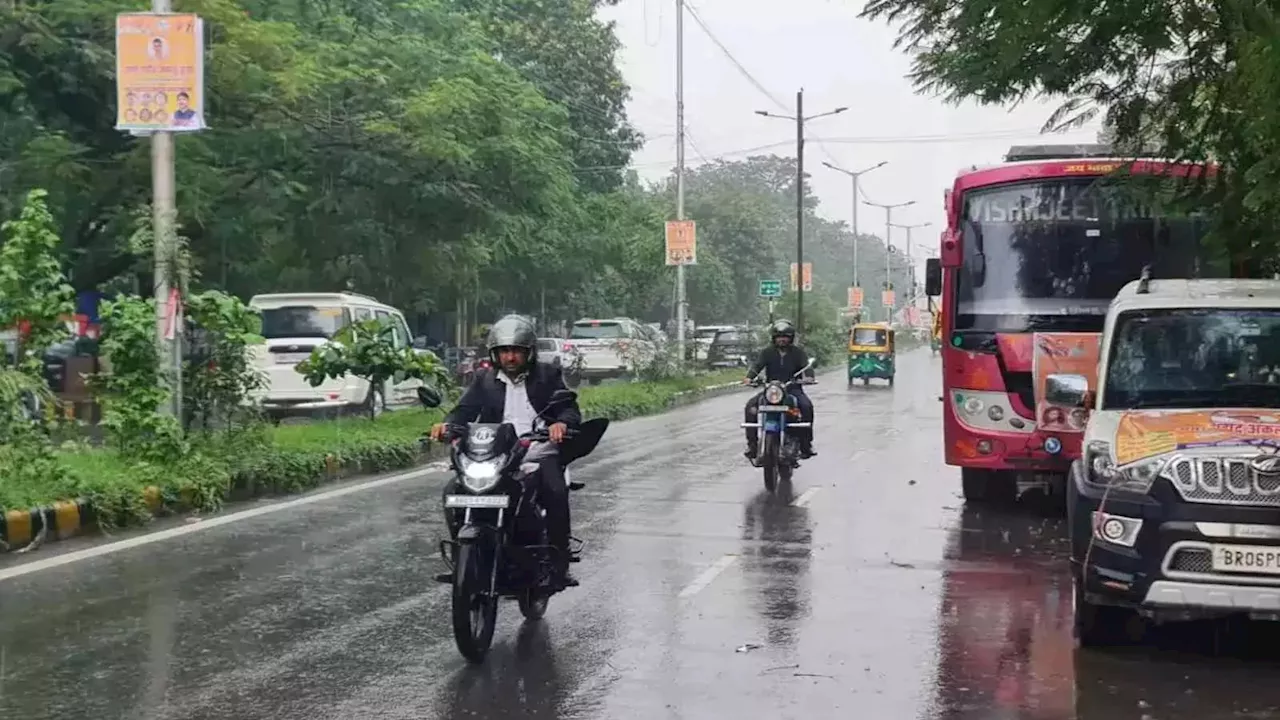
(1052, 254)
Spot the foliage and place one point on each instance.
(368, 351)
(221, 373)
(131, 391)
(33, 290)
(1190, 82)
(257, 460)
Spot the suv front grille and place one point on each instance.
(1222, 481)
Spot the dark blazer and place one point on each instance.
(485, 398)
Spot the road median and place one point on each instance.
(95, 488)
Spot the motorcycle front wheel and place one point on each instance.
(475, 613)
(769, 461)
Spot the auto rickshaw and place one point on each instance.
(871, 352)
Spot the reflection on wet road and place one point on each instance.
(863, 590)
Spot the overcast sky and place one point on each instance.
(839, 60)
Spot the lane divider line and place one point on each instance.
(210, 523)
(805, 497)
(708, 576)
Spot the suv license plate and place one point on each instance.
(477, 501)
(1261, 559)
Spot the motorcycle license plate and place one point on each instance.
(476, 501)
(771, 425)
(772, 408)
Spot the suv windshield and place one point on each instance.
(302, 321)
(1194, 358)
(1051, 254)
(595, 330)
(730, 337)
(869, 336)
(548, 344)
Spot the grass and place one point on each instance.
(264, 460)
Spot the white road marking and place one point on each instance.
(708, 576)
(119, 546)
(858, 454)
(805, 497)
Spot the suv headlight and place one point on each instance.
(1101, 470)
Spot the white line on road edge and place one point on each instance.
(805, 497)
(708, 576)
(115, 547)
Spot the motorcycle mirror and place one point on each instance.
(429, 397)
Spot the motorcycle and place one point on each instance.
(777, 453)
(501, 549)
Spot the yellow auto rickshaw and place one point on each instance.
(871, 352)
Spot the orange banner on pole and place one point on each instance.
(887, 298)
(682, 242)
(808, 277)
(855, 298)
(159, 72)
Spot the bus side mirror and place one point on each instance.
(933, 277)
(1067, 390)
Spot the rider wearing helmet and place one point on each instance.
(516, 390)
(781, 361)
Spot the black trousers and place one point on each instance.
(553, 496)
(806, 415)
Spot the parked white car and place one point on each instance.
(294, 324)
(612, 347)
(703, 335)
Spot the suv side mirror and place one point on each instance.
(1067, 390)
(933, 277)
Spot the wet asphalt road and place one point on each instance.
(863, 591)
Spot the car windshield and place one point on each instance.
(730, 337)
(596, 331)
(1051, 254)
(1202, 358)
(869, 336)
(549, 344)
(303, 321)
(705, 333)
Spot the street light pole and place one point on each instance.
(911, 266)
(854, 176)
(680, 280)
(888, 248)
(800, 119)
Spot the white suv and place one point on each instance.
(294, 324)
(612, 347)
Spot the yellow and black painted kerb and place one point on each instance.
(19, 527)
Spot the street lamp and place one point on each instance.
(911, 268)
(855, 176)
(888, 247)
(799, 119)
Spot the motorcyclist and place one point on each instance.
(515, 390)
(781, 361)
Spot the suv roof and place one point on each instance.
(1175, 293)
(346, 298)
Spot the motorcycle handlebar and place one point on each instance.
(455, 432)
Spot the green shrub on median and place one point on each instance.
(261, 459)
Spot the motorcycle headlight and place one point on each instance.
(1101, 469)
(480, 476)
(773, 394)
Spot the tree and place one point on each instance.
(1198, 81)
(34, 294)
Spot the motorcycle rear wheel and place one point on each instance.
(474, 613)
(769, 461)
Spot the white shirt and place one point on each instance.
(517, 410)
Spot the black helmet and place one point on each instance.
(782, 328)
(513, 331)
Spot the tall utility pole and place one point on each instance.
(800, 119)
(680, 289)
(854, 176)
(911, 266)
(164, 240)
(888, 247)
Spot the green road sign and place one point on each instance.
(770, 288)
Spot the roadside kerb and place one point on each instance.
(26, 530)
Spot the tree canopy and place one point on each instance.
(429, 153)
(1196, 81)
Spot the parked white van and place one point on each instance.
(294, 324)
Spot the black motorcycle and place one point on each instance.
(501, 549)
(777, 451)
